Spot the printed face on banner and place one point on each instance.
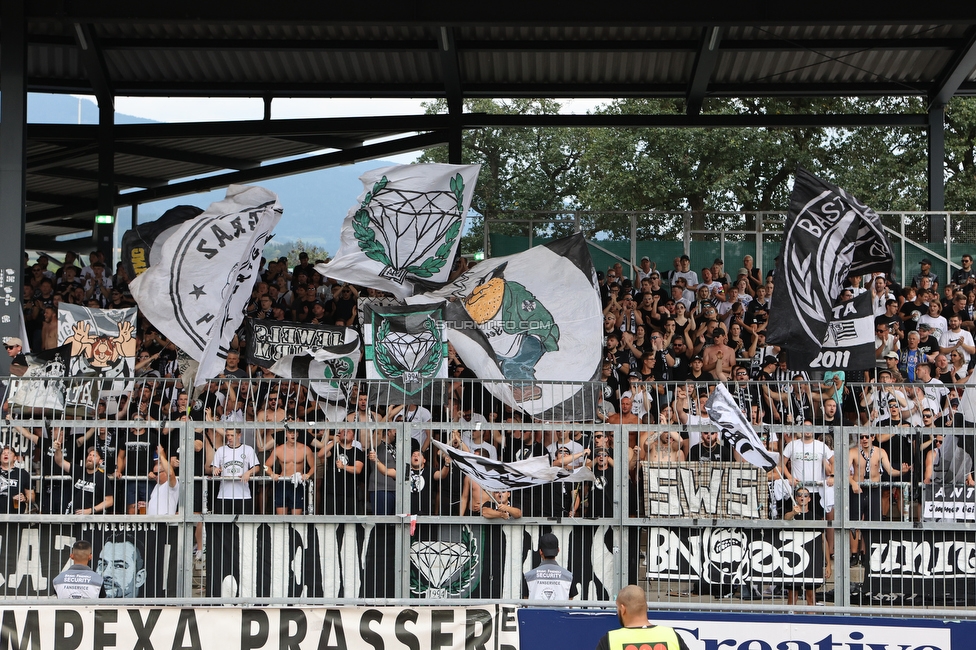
(123, 568)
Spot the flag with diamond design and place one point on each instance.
(405, 228)
(405, 346)
(532, 322)
(197, 292)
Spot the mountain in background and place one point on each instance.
(315, 203)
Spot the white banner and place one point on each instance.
(492, 627)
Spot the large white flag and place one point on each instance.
(532, 322)
(406, 227)
(196, 294)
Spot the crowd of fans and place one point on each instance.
(269, 445)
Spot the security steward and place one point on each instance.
(78, 580)
(637, 631)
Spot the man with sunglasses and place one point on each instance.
(15, 350)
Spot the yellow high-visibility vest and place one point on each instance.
(658, 637)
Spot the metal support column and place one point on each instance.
(103, 234)
(936, 129)
(13, 175)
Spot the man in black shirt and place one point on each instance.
(710, 449)
(16, 488)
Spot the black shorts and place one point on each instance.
(289, 496)
(866, 506)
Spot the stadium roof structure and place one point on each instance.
(449, 50)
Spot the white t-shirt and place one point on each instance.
(233, 462)
(415, 419)
(164, 500)
(807, 465)
(953, 337)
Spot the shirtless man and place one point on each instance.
(626, 416)
(297, 463)
(662, 447)
(865, 462)
(499, 506)
(718, 358)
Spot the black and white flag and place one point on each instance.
(737, 431)
(330, 368)
(143, 244)
(406, 348)
(197, 292)
(497, 475)
(43, 386)
(828, 235)
(269, 340)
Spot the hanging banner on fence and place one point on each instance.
(268, 341)
(534, 316)
(246, 560)
(103, 345)
(406, 227)
(491, 627)
(136, 560)
(920, 566)
(42, 386)
(497, 475)
(196, 294)
(948, 502)
(828, 235)
(330, 369)
(406, 347)
(736, 430)
(736, 556)
(708, 490)
(142, 246)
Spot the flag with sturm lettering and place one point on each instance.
(330, 368)
(405, 228)
(737, 431)
(197, 292)
(269, 340)
(828, 236)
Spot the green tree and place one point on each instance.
(290, 249)
(522, 169)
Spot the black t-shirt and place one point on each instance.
(422, 491)
(345, 492)
(929, 346)
(139, 452)
(13, 481)
(599, 502)
(88, 490)
(717, 452)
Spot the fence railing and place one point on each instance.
(281, 498)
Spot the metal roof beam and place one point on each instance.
(166, 153)
(94, 62)
(310, 163)
(704, 67)
(59, 157)
(323, 141)
(86, 175)
(955, 73)
(51, 198)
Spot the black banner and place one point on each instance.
(925, 566)
(138, 243)
(137, 560)
(736, 556)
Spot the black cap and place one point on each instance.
(549, 545)
(697, 356)
(770, 360)
(926, 260)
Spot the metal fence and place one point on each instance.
(282, 499)
(626, 236)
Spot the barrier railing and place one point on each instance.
(286, 504)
